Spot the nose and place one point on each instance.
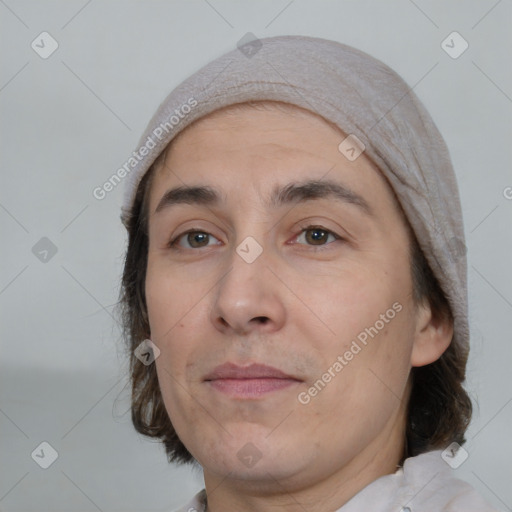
(248, 298)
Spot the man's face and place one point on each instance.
(327, 302)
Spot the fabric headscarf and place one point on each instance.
(365, 99)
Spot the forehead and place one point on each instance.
(271, 121)
(262, 146)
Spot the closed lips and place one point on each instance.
(251, 382)
(253, 371)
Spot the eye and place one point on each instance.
(194, 239)
(316, 235)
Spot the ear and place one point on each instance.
(432, 336)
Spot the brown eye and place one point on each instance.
(192, 240)
(316, 235)
(197, 239)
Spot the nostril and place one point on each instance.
(261, 319)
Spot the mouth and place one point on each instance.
(249, 382)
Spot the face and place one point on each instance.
(280, 297)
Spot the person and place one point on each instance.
(295, 290)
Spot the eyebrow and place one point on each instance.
(292, 193)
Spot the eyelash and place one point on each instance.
(173, 244)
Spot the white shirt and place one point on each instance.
(425, 483)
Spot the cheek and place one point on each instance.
(172, 296)
(178, 316)
(368, 346)
(177, 337)
(356, 303)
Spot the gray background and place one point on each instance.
(69, 121)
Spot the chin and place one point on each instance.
(255, 458)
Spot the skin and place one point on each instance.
(206, 305)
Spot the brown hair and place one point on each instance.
(439, 409)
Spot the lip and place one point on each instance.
(252, 371)
(249, 382)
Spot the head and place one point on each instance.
(331, 288)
